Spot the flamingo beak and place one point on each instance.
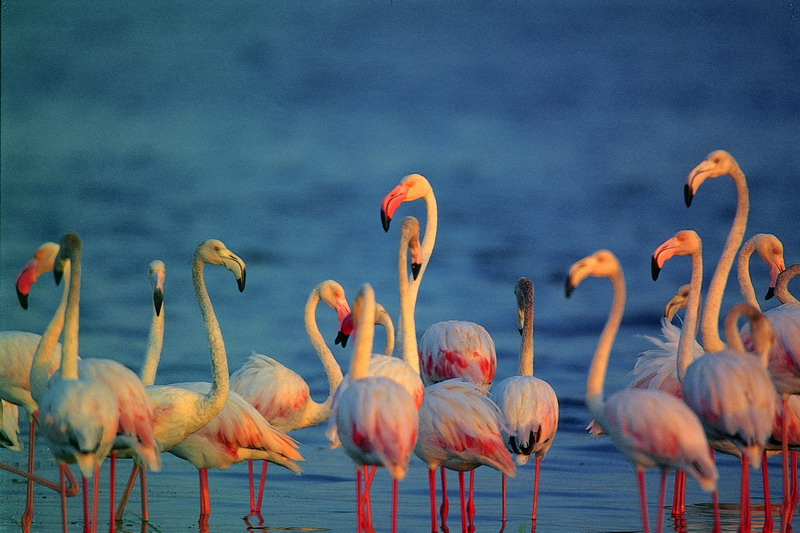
(345, 329)
(390, 204)
(662, 254)
(775, 268)
(26, 278)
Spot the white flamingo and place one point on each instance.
(277, 392)
(529, 404)
(453, 348)
(376, 418)
(651, 427)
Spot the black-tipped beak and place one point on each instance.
(385, 220)
(655, 270)
(415, 268)
(770, 293)
(568, 288)
(687, 195)
(23, 299)
(341, 338)
(158, 301)
(241, 281)
(520, 331)
(58, 274)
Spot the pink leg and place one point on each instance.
(432, 485)
(27, 516)
(62, 475)
(767, 503)
(445, 509)
(715, 498)
(471, 502)
(205, 498)
(369, 475)
(145, 502)
(643, 500)
(463, 498)
(126, 494)
(395, 503)
(87, 519)
(95, 498)
(786, 510)
(112, 490)
(536, 488)
(744, 497)
(503, 494)
(261, 485)
(679, 494)
(662, 494)
(795, 492)
(359, 507)
(252, 489)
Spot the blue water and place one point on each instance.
(548, 130)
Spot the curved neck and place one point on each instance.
(69, 350)
(220, 384)
(743, 273)
(431, 227)
(383, 318)
(45, 351)
(155, 341)
(526, 349)
(689, 330)
(332, 369)
(406, 327)
(782, 285)
(597, 371)
(362, 353)
(712, 342)
(759, 327)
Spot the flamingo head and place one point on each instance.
(42, 262)
(412, 187)
(215, 252)
(770, 250)
(602, 263)
(678, 302)
(410, 232)
(685, 242)
(718, 163)
(157, 272)
(70, 248)
(332, 293)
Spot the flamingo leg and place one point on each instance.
(536, 488)
(503, 493)
(87, 520)
(359, 507)
(395, 503)
(445, 508)
(794, 480)
(95, 497)
(786, 505)
(679, 494)
(27, 516)
(463, 498)
(767, 503)
(471, 502)
(744, 497)
(715, 498)
(261, 485)
(369, 475)
(205, 498)
(432, 485)
(643, 499)
(112, 490)
(252, 489)
(145, 503)
(662, 494)
(62, 478)
(123, 501)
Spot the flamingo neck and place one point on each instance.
(431, 227)
(69, 349)
(712, 342)
(689, 330)
(362, 353)
(406, 327)
(759, 327)
(597, 371)
(155, 342)
(526, 349)
(743, 273)
(46, 350)
(332, 369)
(782, 285)
(220, 384)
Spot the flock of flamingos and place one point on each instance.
(685, 400)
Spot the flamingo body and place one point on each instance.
(530, 408)
(457, 348)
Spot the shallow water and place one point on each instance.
(547, 130)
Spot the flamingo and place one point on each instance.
(452, 348)
(376, 418)
(651, 427)
(204, 423)
(283, 397)
(529, 404)
(79, 417)
(16, 357)
(713, 383)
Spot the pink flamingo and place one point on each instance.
(529, 404)
(651, 427)
(283, 397)
(376, 418)
(79, 416)
(712, 383)
(453, 348)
